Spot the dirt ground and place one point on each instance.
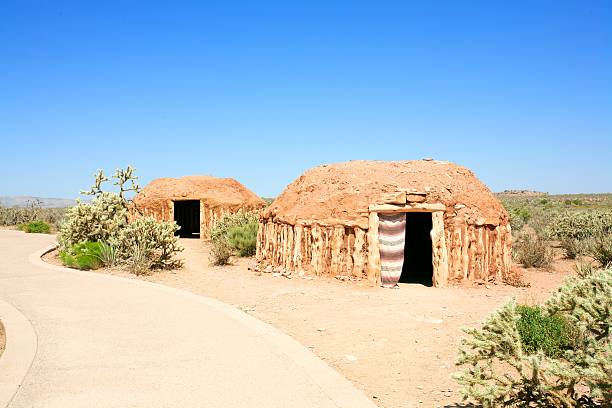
(397, 346)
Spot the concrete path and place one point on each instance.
(103, 341)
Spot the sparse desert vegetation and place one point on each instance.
(554, 355)
(234, 234)
(32, 217)
(578, 225)
(100, 233)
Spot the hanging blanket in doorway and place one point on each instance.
(391, 237)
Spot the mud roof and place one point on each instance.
(341, 193)
(212, 190)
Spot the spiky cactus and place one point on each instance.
(498, 371)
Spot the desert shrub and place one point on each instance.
(515, 278)
(108, 255)
(243, 238)
(234, 234)
(505, 368)
(601, 249)
(584, 269)
(32, 211)
(532, 251)
(573, 247)
(519, 216)
(139, 262)
(156, 238)
(220, 252)
(101, 220)
(84, 255)
(39, 227)
(551, 334)
(228, 221)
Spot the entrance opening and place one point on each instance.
(418, 267)
(187, 216)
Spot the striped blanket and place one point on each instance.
(391, 236)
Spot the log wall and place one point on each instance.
(208, 215)
(461, 251)
(314, 249)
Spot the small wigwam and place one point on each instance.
(196, 203)
(425, 221)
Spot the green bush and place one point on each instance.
(532, 251)
(505, 366)
(538, 331)
(243, 238)
(108, 255)
(234, 234)
(519, 216)
(39, 227)
(84, 255)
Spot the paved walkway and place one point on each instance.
(103, 341)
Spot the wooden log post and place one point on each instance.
(440, 251)
(373, 270)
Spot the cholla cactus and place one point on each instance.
(500, 373)
(155, 237)
(105, 220)
(99, 221)
(125, 179)
(581, 225)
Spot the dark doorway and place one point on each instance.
(187, 216)
(418, 267)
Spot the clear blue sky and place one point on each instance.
(521, 92)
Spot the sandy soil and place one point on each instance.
(397, 346)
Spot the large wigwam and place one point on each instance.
(422, 221)
(196, 203)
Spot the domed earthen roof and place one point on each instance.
(341, 193)
(213, 191)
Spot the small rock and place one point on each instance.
(350, 357)
(321, 329)
(268, 269)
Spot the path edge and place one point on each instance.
(20, 350)
(335, 386)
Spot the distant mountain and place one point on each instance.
(22, 201)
